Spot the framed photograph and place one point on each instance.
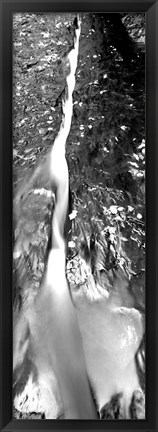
(78, 220)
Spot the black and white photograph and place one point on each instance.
(79, 228)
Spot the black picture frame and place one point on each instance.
(150, 7)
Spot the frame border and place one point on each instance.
(150, 7)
